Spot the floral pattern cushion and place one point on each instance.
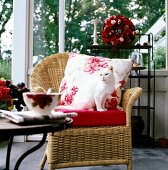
(81, 68)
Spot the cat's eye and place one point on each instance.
(106, 74)
(100, 74)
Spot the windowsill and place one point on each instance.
(158, 73)
(161, 73)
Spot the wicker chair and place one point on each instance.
(87, 146)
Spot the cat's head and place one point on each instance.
(106, 74)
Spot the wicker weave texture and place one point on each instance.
(94, 145)
(49, 73)
(89, 146)
(128, 99)
(83, 146)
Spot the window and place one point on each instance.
(78, 22)
(5, 38)
(146, 15)
(45, 29)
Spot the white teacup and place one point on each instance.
(41, 103)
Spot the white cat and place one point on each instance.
(94, 93)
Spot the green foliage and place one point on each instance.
(5, 14)
(79, 14)
(145, 59)
(160, 57)
(5, 69)
(45, 35)
(147, 12)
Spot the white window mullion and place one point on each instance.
(166, 9)
(20, 40)
(166, 109)
(20, 50)
(61, 25)
(30, 33)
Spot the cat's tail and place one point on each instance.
(70, 107)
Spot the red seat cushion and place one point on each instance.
(97, 118)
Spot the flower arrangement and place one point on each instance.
(118, 30)
(11, 95)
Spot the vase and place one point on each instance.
(137, 126)
(137, 58)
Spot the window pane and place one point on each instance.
(6, 10)
(144, 15)
(45, 29)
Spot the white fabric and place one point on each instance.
(81, 68)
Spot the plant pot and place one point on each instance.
(137, 126)
(163, 143)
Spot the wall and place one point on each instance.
(161, 102)
(161, 115)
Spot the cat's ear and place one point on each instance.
(110, 68)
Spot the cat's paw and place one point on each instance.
(91, 109)
(119, 108)
(65, 107)
(101, 110)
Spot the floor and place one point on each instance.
(143, 158)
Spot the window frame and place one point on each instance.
(22, 52)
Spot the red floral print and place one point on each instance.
(63, 87)
(68, 99)
(81, 68)
(74, 90)
(114, 94)
(111, 103)
(95, 64)
(122, 82)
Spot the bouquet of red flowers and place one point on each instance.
(11, 95)
(118, 30)
(6, 100)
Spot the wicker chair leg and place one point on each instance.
(129, 166)
(43, 161)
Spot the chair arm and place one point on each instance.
(128, 99)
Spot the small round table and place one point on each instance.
(9, 130)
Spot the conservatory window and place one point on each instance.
(146, 16)
(41, 34)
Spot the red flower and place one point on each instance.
(11, 95)
(118, 30)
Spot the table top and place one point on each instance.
(7, 128)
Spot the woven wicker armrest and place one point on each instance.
(128, 99)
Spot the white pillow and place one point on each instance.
(81, 68)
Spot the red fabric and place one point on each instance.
(97, 118)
